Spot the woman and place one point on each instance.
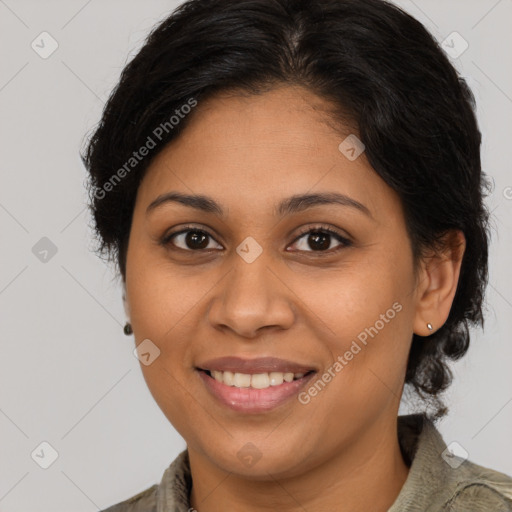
(293, 194)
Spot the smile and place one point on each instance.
(253, 393)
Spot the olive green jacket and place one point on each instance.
(437, 480)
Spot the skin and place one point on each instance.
(294, 302)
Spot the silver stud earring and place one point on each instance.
(429, 326)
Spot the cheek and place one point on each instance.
(365, 377)
(160, 295)
(177, 402)
(162, 310)
(359, 294)
(366, 321)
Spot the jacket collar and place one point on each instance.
(431, 482)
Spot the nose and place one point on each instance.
(252, 297)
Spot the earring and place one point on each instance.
(128, 328)
(429, 326)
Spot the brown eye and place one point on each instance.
(190, 240)
(320, 240)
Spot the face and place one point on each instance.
(327, 286)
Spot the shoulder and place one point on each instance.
(173, 490)
(438, 480)
(480, 489)
(144, 501)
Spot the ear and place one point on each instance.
(437, 283)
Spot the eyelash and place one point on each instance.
(345, 242)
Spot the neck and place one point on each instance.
(368, 475)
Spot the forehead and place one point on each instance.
(256, 149)
(285, 116)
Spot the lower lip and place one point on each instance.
(251, 399)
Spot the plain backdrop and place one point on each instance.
(68, 376)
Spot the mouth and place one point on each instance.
(253, 392)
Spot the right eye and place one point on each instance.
(191, 239)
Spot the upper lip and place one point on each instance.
(252, 366)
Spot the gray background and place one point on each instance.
(67, 373)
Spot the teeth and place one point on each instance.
(228, 378)
(260, 380)
(241, 380)
(276, 378)
(256, 381)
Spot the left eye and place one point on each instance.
(319, 239)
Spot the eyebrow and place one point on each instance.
(293, 204)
